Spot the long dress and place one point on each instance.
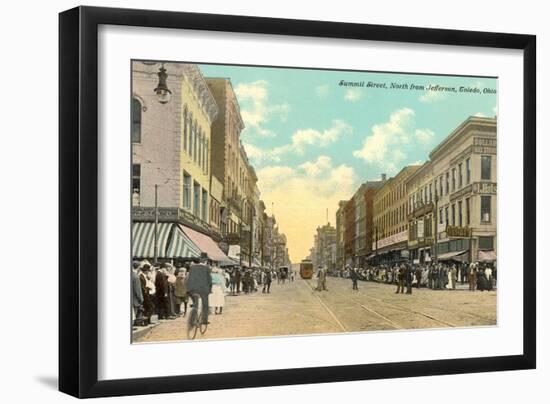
(217, 297)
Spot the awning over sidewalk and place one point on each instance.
(455, 255)
(229, 263)
(486, 256)
(143, 239)
(205, 244)
(181, 246)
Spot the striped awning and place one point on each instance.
(486, 256)
(181, 246)
(204, 244)
(454, 255)
(143, 239)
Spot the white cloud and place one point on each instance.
(480, 115)
(384, 145)
(495, 109)
(256, 110)
(301, 140)
(301, 196)
(322, 91)
(259, 155)
(385, 135)
(424, 136)
(353, 95)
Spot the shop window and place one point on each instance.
(485, 243)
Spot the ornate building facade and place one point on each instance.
(171, 145)
(453, 197)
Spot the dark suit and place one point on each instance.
(161, 295)
(354, 276)
(267, 282)
(137, 294)
(199, 281)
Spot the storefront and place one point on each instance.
(172, 241)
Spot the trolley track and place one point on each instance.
(393, 306)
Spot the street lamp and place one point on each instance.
(162, 91)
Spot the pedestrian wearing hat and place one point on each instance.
(322, 279)
(144, 274)
(137, 295)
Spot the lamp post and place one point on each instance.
(155, 253)
(163, 93)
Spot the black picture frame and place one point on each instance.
(78, 200)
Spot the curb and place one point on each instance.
(143, 331)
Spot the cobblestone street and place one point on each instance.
(295, 308)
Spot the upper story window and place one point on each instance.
(185, 131)
(486, 167)
(454, 179)
(136, 120)
(136, 184)
(485, 208)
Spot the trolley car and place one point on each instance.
(306, 269)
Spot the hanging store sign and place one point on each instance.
(393, 239)
(459, 231)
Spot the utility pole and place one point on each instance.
(435, 229)
(241, 234)
(271, 238)
(155, 253)
(376, 244)
(250, 238)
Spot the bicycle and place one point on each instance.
(194, 322)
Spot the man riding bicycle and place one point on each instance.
(199, 282)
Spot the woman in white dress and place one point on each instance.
(216, 299)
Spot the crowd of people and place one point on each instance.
(438, 276)
(162, 291)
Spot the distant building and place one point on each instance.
(357, 215)
(326, 247)
(390, 218)
(340, 232)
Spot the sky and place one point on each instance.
(313, 136)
